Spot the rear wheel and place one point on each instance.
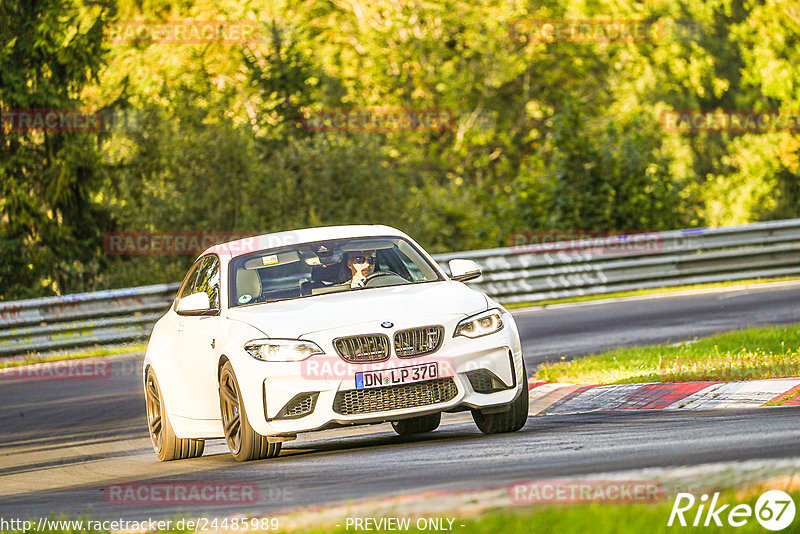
(244, 443)
(417, 425)
(510, 420)
(165, 443)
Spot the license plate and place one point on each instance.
(399, 375)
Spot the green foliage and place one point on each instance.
(611, 177)
(51, 224)
(755, 353)
(326, 180)
(546, 135)
(285, 78)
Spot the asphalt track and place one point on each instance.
(570, 330)
(64, 442)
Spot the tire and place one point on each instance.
(417, 425)
(166, 444)
(510, 420)
(244, 443)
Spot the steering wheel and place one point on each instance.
(376, 275)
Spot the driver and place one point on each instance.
(361, 264)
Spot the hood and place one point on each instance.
(294, 318)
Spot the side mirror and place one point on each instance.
(194, 304)
(463, 270)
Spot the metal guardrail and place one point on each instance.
(511, 275)
(672, 258)
(98, 318)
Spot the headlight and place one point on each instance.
(282, 350)
(483, 324)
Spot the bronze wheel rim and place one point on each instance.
(231, 411)
(154, 421)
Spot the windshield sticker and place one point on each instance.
(270, 260)
(244, 299)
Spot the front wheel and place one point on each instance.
(417, 425)
(510, 420)
(165, 443)
(244, 443)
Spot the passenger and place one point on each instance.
(361, 264)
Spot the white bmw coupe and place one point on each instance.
(312, 329)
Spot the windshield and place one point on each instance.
(309, 269)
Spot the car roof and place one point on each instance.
(305, 235)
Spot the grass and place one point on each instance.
(769, 352)
(17, 361)
(603, 518)
(578, 519)
(600, 518)
(640, 292)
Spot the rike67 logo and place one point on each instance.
(774, 510)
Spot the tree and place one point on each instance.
(51, 222)
(611, 177)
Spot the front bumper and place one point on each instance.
(329, 387)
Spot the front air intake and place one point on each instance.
(418, 341)
(485, 381)
(301, 405)
(384, 399)
(363, 349)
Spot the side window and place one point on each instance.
(188, 283)
(208, 280)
